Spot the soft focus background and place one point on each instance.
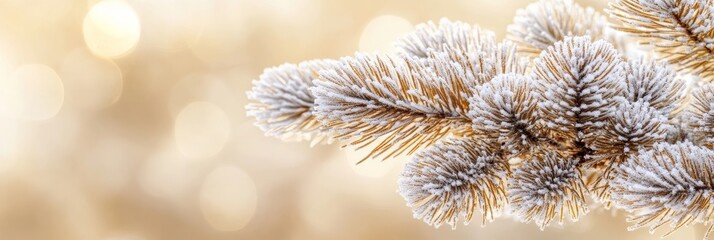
(125, 120)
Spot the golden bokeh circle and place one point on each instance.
(33, 92)
(111, 28)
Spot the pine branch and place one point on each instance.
(476, 51)
(670, 184)
(633, 127)
(543, 23)
(402, 105)
(655, 83)
(546, 188)
(678, 131)
(504, 111)
(282, 102)
(681, 30)
(578, 80)
(464, 104)
(429, 37)
(452, 180)
(699, 117)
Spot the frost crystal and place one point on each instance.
(282, 101)
(655, 83)
(633, 127)
(672, 183)
(454, 179)
(410, 102)
(504, 111)
(700, 115)
(543, 23)
(373, 96)
(429, 37)
(578, 80)
(547, 187)
(681, 30)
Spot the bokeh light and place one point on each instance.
(228, 198)
(201, 130)
(214, 45)
(111, 28)
(90, 82)
(33, 92)
(172, 23)
(381, 32)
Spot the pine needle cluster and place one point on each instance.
(562, 116)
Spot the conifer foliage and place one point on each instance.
(545, 125)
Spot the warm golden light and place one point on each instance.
(381, 32)
(166, 174)
(33, 92)
(8, 143)
(111, 28)
(124, 236)
(201, 130)
(126, 120)
(228, 198)
(373, 168)
(90, 82)
(221, 27)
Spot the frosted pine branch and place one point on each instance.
(681, 30)
(457, 49)
(504, 111)
(400, 103)
(670, 184)
(546, 188)
(655, 83)
(430, 37)
(453, 180)
(543, 23)
(411, 102)
(578, 80)
(282, 102)
(490, 128)
(700, 116)
(633, 127)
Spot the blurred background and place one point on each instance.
(125, 120)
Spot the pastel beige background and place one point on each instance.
(125, 120)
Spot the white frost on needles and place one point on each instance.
(368, 97)
(430, 37)
(404, 103)
(546, 188)
(465, 102)
(282, 101)
(682, 31)
(543, 23)
(504, 111)
(669, 184)
(633, 127)
(655, 83)
(454, 179)
(578, 80)
(699, 116)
